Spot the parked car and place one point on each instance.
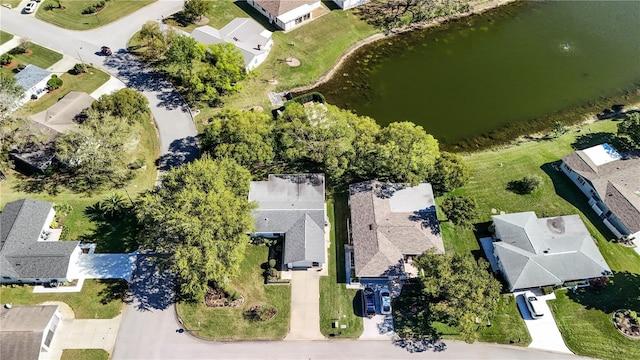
(369, 302)
(31, 7)
(533, 304)
(385, 301)
(105, 50)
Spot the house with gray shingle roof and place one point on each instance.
(33, 80)
(251, 38)
(611, 182)
(28, 254)
(532, 252)
(292, 206)
(390, 225)
(27, 330)
(286, 14)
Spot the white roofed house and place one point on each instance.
(611, 182)
(292, 206)
(286, 14)
(532, 252)
(34, 82)
(251, 38)
(348, 4)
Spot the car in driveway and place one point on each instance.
(369, 302)
(31, 7)
(533, 304)
(385, 301)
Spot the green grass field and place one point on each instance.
(4, 37)
(13, 3)
(99, 299)
(84, 354)
(336, 301)
(39, 56)
(71, 17)
(230, 324)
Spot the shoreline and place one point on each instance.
(474, 10)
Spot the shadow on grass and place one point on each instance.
(592, 139)
(411, 316)
(115, 289)
(357, 304)
(623, 292)
(341, 213)
(567, 190)
(118, 233)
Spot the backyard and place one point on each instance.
(229, 323)
(70, 16)
(99, 299)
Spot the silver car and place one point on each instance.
(385, 301)
(31, 7)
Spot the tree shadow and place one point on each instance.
(51, 184)
(622, 292)
(585, 141)
(356, 303)
(567, 190)
(113, 234)
(411, 316)
(115, 289)
(181, 151)
(153, 286)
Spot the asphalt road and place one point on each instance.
(176, 129)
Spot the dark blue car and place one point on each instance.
(369, 302)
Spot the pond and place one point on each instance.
(492, 77)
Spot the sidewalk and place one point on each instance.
(9, 45)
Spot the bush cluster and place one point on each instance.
(6, 58)
(78, 69)
(92, 9)
(54, 83)
(524, 186)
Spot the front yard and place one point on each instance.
(71, 16)
(84, 354)
(99, 299)
(39, 56)
(4, 37)
(229, 323)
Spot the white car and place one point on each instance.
(31, 7)
(533, 304)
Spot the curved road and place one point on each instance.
(176, 128)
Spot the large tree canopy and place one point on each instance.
(449, 172)
(195, 9)
(460, 290)
(245, 136)
(199, 215)
(630, 127)
(126, 103)
(406, 153)
(389, 14)
(95, 154)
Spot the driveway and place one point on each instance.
(105, 266)
(305, 306)
(544, 331)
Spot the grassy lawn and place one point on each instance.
(336, 301)
(99, 299)
(13, 3)
(84, 354)
(583, 317)
(4, 37)
(71, 16)
(507, 325)
(230, 324)
(40, 56)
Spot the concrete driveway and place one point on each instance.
(105, 266)
(544, 331)
(379, 327)
(305, 306)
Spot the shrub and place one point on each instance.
(78, 69)
(460, 210)
(54, 83)
(524, 186)
(6, 58)
(546, 290)
(136, 164)
(22, 47)
(260, 313)
(272, 263)
(62, 209)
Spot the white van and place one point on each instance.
(533, 304)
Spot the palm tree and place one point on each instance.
(113, 205)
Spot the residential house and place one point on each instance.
(63, 115)
(27, 330)
(34, 82)
(611, 182)
(29, 250)
(286, 14)
(251, 38)
(390, 225)
(292, 206)
(349, 4)
(532, 252)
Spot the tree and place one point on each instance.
(389, 14)
(630, 127)
(95, 154)
(194, 10)
(54, 83)
(365, 146)
(524, 186)
(406, 153)
(125, 103)
(460, 210)
(200, 216)
(245, 136)
(318, 137)
(113, 205)
(182, 55)
(449, 172)
(460, 290)
(228, 67)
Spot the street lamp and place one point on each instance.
(80, 57)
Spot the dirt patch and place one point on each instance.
(202, 21)
(218, 298)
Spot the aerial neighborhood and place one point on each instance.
(278, 179)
